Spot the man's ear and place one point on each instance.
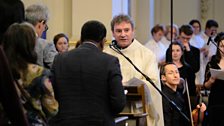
(163, 78)
(38, 25)
(38, 29)
(101, 44)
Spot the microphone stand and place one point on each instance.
(172, 103)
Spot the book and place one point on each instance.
(217, 73)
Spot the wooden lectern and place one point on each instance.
(135, 108)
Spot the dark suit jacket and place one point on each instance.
(192, 57)
(88, 87)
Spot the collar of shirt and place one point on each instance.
(91, 43)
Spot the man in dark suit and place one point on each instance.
(191, 53)
(192, 57)
(87, 82)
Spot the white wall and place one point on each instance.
(102, 10)
(183, 11)
(215, 11)
(95, 10)
(143, 19)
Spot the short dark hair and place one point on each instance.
(186, 29)
(162, 68)
(93, 31)
(211, 23)
(195, 21)
(157, 28)
(58, 36)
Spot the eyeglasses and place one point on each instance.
(46, 27)
(44, 23)
(185, 38)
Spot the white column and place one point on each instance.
(183, 11)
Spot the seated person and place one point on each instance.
(171, 79)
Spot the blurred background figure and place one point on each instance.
(196, 39)
(61, 42)
(198, 42)
(166, 40)
(38, 15)
(211, 28)
(155, 44)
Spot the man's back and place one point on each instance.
(88, 87)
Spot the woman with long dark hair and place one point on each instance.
(216, 86)
(32, 81)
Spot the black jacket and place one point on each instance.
(88, 87)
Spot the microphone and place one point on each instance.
(210, 38)
(214, 43)
(113, 44)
